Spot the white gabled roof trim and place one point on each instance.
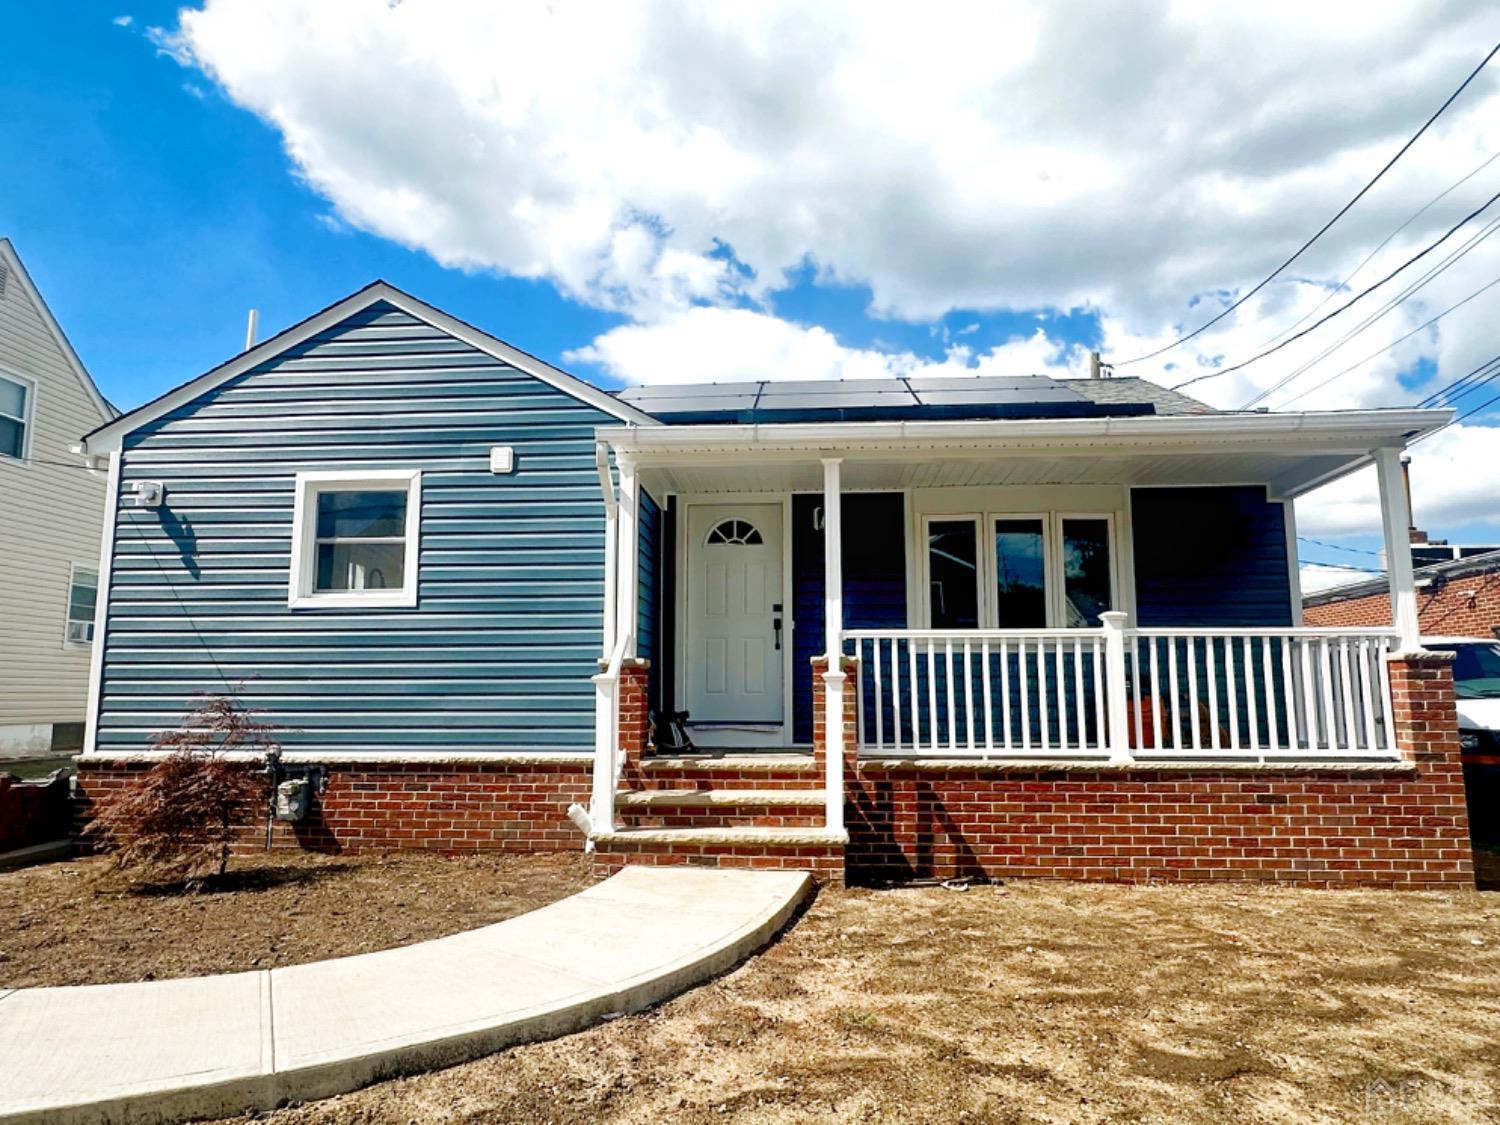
(12, 261)
(110, 436)
(1349, 434)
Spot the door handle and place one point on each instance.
(776, 623)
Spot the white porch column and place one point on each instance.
(628, 556)
(833, 622)
(611, 531)
(1117, 714)
(1396, 520)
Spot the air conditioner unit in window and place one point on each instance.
(80, 632)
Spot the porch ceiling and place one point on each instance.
(1280, 473)
(1289, 454)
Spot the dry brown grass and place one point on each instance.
(1037, 1002)
(64, 923)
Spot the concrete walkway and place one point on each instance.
(213, 1046)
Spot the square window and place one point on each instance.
(15, 416)
(83, 596)
(355, 541)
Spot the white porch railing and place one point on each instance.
(1182, 693)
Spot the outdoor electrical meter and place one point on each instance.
(292, 799)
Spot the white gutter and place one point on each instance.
(1366, 427)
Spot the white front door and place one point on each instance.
(734, 602)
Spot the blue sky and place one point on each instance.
(153, 214)
(784, 226)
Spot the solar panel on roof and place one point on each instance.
(944, 397)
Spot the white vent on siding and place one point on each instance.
(4, 274)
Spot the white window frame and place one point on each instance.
(1052, 559)
(68, 639)
(981, 568)
(28, 422)
(300, 591)
(1057, 595)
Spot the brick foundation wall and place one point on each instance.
(1400, 826)
(32, 812)
(369, 806)
(1467, 607)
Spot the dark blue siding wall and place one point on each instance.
(874, 556)
(1210, 556)
(647, 616)
(497, 654)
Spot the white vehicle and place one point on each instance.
(1476, 682)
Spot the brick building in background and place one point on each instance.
(1456, 599)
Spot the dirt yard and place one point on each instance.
(1037, 1002)
(60, 925)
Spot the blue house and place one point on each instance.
(460, 580)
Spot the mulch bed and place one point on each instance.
(62, 924)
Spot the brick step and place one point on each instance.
(727, 771)
(721, 808)
(790, 849)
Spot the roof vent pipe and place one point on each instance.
(1098, 370)
(251, 322)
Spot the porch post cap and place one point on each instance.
(1420, 656)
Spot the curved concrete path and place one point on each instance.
(213, 1046)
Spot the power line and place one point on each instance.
(1413, 288)
(1338, 546)
(1401, 340)
(1470, 217)
(1324, 228)
(1463, 384)
(1415, 215)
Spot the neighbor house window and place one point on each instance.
(83, 595)
(1045, 571)
(355, 539)
(15, 416)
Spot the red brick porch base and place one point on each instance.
(457, 806)
(1399, 826)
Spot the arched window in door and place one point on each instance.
(734, 533)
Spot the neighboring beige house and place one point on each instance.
(49, 555)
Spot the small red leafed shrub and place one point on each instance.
(177, 822)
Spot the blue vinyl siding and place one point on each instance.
(498, 652)
(648, 583)
(1210, 556)
(874, 559)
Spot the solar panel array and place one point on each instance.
(1014, 396)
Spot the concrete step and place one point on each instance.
(727, 771)
(812, 849)
(720, 808)
(735, 798)
(724, 837)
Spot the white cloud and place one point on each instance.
(706, 344)
(1317, 577)
(1145, 160)
(123, 21)
(1452, 484)
(980, 156)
